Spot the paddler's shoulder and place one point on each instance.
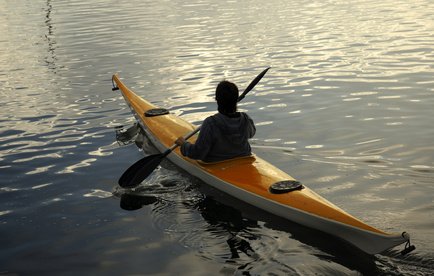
(219, 120)
(212, 120)
(215, 119)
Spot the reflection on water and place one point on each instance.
(346, 108)
(250, 235)
(51, 57)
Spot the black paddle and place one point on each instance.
(140, 170)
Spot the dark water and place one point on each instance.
(346, 109)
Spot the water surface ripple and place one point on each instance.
(346, 109)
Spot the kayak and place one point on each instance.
(257, 182)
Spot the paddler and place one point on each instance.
(223, 135)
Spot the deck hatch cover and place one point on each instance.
(156, 112)
(285, 186)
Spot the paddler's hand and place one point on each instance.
(180, 141)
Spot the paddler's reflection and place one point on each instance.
(231, 220)
(215, 213)
(238, 244)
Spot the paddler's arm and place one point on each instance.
(199, 150)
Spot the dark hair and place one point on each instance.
(226, 95)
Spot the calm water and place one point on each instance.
(346, 109)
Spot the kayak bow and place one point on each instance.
(257, 182)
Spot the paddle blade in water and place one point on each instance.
(129, 173)
(135, 174)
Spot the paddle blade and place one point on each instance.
(140, 170)
(253, 83)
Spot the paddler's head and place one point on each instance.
(226, 95)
